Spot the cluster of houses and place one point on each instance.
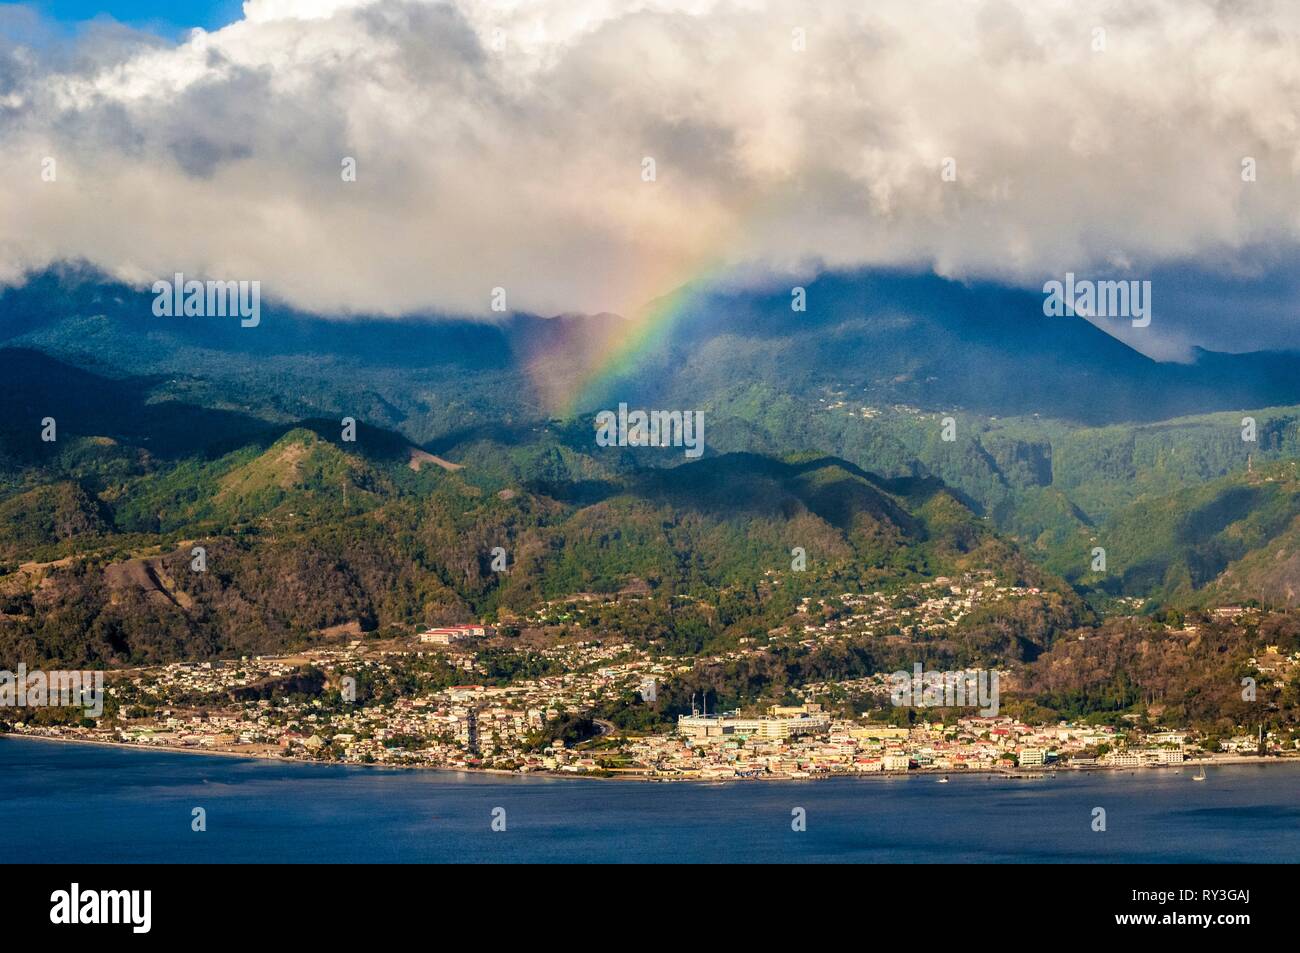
(802, 741)
(925, 607)
(481, 724)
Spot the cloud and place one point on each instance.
(501, 144)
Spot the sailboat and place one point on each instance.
(1200, 775)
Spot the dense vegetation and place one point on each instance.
(824, 433)
(303, 534)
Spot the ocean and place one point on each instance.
(92, 804)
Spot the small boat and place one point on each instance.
(1200, 775)
(944, 779)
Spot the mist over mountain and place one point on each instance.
(881, 338)
(940, 345)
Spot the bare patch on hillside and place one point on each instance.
(420, 457)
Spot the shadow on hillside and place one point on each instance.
(34, 386)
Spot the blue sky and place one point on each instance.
(166, 17)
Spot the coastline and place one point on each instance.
(1030, 774)
(251, 756)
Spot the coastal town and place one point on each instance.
(454, 697)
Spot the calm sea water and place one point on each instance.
(82, 803)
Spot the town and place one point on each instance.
(455, 697)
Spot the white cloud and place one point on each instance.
(520, 166)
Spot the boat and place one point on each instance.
(944, 779)
(1200, 775)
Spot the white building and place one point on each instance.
(446, 635)
(781, 724)
(1032, 757)
(896, 761)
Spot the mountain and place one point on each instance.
(867, 373)
(877, 337)
(827, 471)
(1062, 434)
(921, 340)
(304, 532)
(1169, 671)
(1231, 539)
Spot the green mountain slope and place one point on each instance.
(303, 533)
(1177, 546)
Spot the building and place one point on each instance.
(446, 635)
(465, 727)
(1124, 759)
(882, 732)
(781, 723)
(895, 761)
(1032, 757)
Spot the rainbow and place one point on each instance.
(620, 355)
(575, 382)
(573, 375)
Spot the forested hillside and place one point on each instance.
(172, 435)
(303, 531)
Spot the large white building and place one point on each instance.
(1032, 757)
(1126, 758)
(895, 761)
(446, 635)
(779, 724)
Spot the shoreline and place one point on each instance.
(250, 756)
(1028, 774)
